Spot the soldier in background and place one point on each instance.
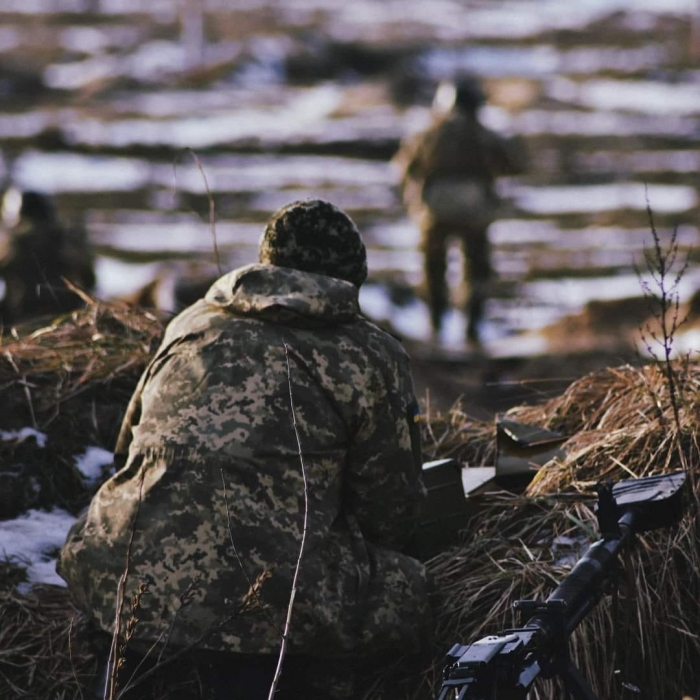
(448, 174)
(36, 254)
(208, 505)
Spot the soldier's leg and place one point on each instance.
(210, 675)
(434, 248)
(397, 632)
(477, 273)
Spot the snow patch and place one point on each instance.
(35, 537)
(92, 462)
(23, 434)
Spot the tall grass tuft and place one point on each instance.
(511, 549)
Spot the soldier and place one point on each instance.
(36, 255)
(448, 173)
(270, 396)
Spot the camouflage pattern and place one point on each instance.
(35, 255)
(208, 508)
(448, 174)
(315, 236)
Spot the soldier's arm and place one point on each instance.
(412, 158)
(383, 487)
(507, 156)
(132, 416)
(131, 419)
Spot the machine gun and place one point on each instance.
(506, 665)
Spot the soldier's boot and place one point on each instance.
(475, 312)
(436, 314)
(477, 276)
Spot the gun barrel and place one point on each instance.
(582, 588)
(513, 659)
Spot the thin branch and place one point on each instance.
(70, 656)
(660, 262)
(113, 659)
(185, 600)
(287, 624)
(180, 651)
(23, 383)
(212, 208)
(134, 679)
(251, 587)
(210, 200)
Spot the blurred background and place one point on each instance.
(146, 121)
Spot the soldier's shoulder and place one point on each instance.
(191, 320)
(381, 340)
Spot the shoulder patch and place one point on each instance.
(413, 419)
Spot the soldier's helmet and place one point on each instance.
(315, 236)
(464, 92)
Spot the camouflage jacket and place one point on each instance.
(209, 506)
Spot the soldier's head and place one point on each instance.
(36, 206)
(315, 236)
(463, 92)
(28, 205)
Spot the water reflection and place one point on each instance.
(597, 198)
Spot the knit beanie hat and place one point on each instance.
(315, 236)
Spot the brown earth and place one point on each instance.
(605, 334)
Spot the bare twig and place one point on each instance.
(252, 588)
(87, 298)
(70, 656)
(24, 384)
(212, 206)
(137, 678)
(245, 604)
(113, 659)
(287, 624)
(185, 600)
(664, 298)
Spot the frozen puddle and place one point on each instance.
(542, 60)
(72, 172)
(609, 197)
(641, 96)
(570, 122)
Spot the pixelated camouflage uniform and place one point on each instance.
(35, 255)
(212, 490)
(448, 174)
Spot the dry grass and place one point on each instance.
(43, 646)
(455, 434)
(77, 365)
(71, 380)
(622, 425)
